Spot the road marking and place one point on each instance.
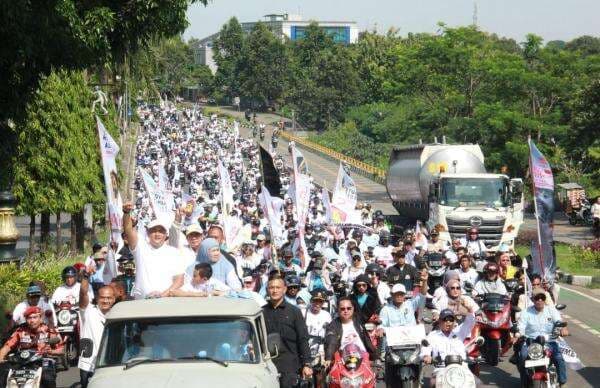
(582, 325)
(580, 293)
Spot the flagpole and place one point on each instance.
(537, 218)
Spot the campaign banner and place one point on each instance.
(273, 208)
(114, 204)
(542, 254)
(158, 202)
(230, 227)
(343, 203)
(569, 355)
(326, 204)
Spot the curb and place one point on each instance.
(577, 280)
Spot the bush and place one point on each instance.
(587, 256)
(14, 280)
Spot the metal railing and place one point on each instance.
(371, 172)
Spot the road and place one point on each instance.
(582, 312)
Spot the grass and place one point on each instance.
(566, 260)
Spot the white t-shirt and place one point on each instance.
(155, 268)
(69, 294)
(349, 335)
(210, 285)
(92, 327)
(17, 315)
(315, 323)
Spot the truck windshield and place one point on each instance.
(489, 192)
(171, 339)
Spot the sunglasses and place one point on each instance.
(454, 288)
(540, 297)
(293, 287)
(346, 308)
(449, 319)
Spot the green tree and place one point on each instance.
(263, 67)
(228, 49)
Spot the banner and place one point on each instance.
(273, 208)
(343, 203)
(300, 166)
(114, 204)
(230, 225)
(165, 185)
(158, 202)
(269, 173)
(543, 259)
(326, 204)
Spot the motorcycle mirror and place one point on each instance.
(426, 320)
(424, 342)
(560, 324)
(480, 341)
(53, 341)
(560, 306)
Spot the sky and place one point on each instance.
(551, 19)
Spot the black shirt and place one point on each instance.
(406, 275)
(287, 320)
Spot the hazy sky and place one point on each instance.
(551, 19)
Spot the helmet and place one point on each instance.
(491, 268)
(68, 272)
(292, 280)
(34, 290)
(373, 267)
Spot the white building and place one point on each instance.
(286, 26)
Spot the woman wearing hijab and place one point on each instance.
(223, 270)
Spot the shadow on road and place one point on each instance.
(591, 374)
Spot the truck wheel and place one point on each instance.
(492, 352)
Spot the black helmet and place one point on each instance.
(69, 271)
(373, 268)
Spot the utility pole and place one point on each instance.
(475, 13)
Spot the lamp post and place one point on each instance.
(9, 235)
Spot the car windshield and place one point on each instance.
(222, 340)
(474, 192)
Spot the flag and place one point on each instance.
(543, 259)
(114, 204)
(269, 173)
(300, 166)
(343, 203)
(158, 202)
(230, 225)
(165, 185)
(272, 207)
(176, 176)
(326, 204)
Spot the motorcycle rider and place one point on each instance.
(345, 329)
(33, 297)
(374, 271)
(448, 339)
(399, 312)
(539, 320)
(365, 298)
(69, 291)
(35, 335)
(475, 246)
(491, 283)
(466, 273)
(401, 271)
(316, 320)
(460, 304)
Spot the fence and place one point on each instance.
(371, 172)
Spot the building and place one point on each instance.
(286, 26)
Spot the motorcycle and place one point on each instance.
(581, 216)
(314, 343)
(455, 373)
(436, 268)
(25, 367)
(254, 132)
(261, 134)
(274, 141)
(402, 362)
(494, 324)
(540, 370)
(351, 369)
(67, 325)
(371, 328)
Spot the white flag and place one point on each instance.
(230, 226)
(326, 204)
(343, 203)
(157, 198)
(114, 204)
(272, 207)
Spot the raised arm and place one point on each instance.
(128, 229)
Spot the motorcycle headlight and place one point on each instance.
(535, 351)
(64, 317)
(352, 382)
(455, 377)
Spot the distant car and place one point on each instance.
(186, 342)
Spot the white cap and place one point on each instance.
(451, 256)
(398, 288)
(157, 222)
(194, 228)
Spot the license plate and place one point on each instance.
(27, 374)
(65, 328)
(533, 363)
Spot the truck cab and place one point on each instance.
(185, 342)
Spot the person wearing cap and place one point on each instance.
(401, 271)
(399, 312)
(317, 320)
(466, 273)
(286, 263)
(318, 276)
(475, 246)
(293, 285)
(193, 237)
(538, 320)
(96, 269)
(374, 272)
(383, 251)
(249, 283)
(349, 274)
(159, 267)
(447, 339)
(435, 244)
(247, 258)
(33, 297)
(35, 334)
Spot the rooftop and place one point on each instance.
(218, 306)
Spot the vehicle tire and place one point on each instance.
(573, 219)
(538, 384)
(492, 354)
(72, 353)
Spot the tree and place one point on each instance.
(263, 67)
(586, 45)
(39, 36)
(228, 50)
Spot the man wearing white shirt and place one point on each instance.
(159, 268)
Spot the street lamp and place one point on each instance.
(9, 235)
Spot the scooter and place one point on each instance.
(540, 370)
(436, 268)
(402, 362)
(67, 325)
(261, 134)
(274, 141)
(371, 328)
(25, 367)
(494, 325)
(351, 369)
(455, 373)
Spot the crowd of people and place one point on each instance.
(318, 294)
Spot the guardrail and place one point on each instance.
(371, 172)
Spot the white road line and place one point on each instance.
(582, 325)
(580, 293)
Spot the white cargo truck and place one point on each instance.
(448, 186)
